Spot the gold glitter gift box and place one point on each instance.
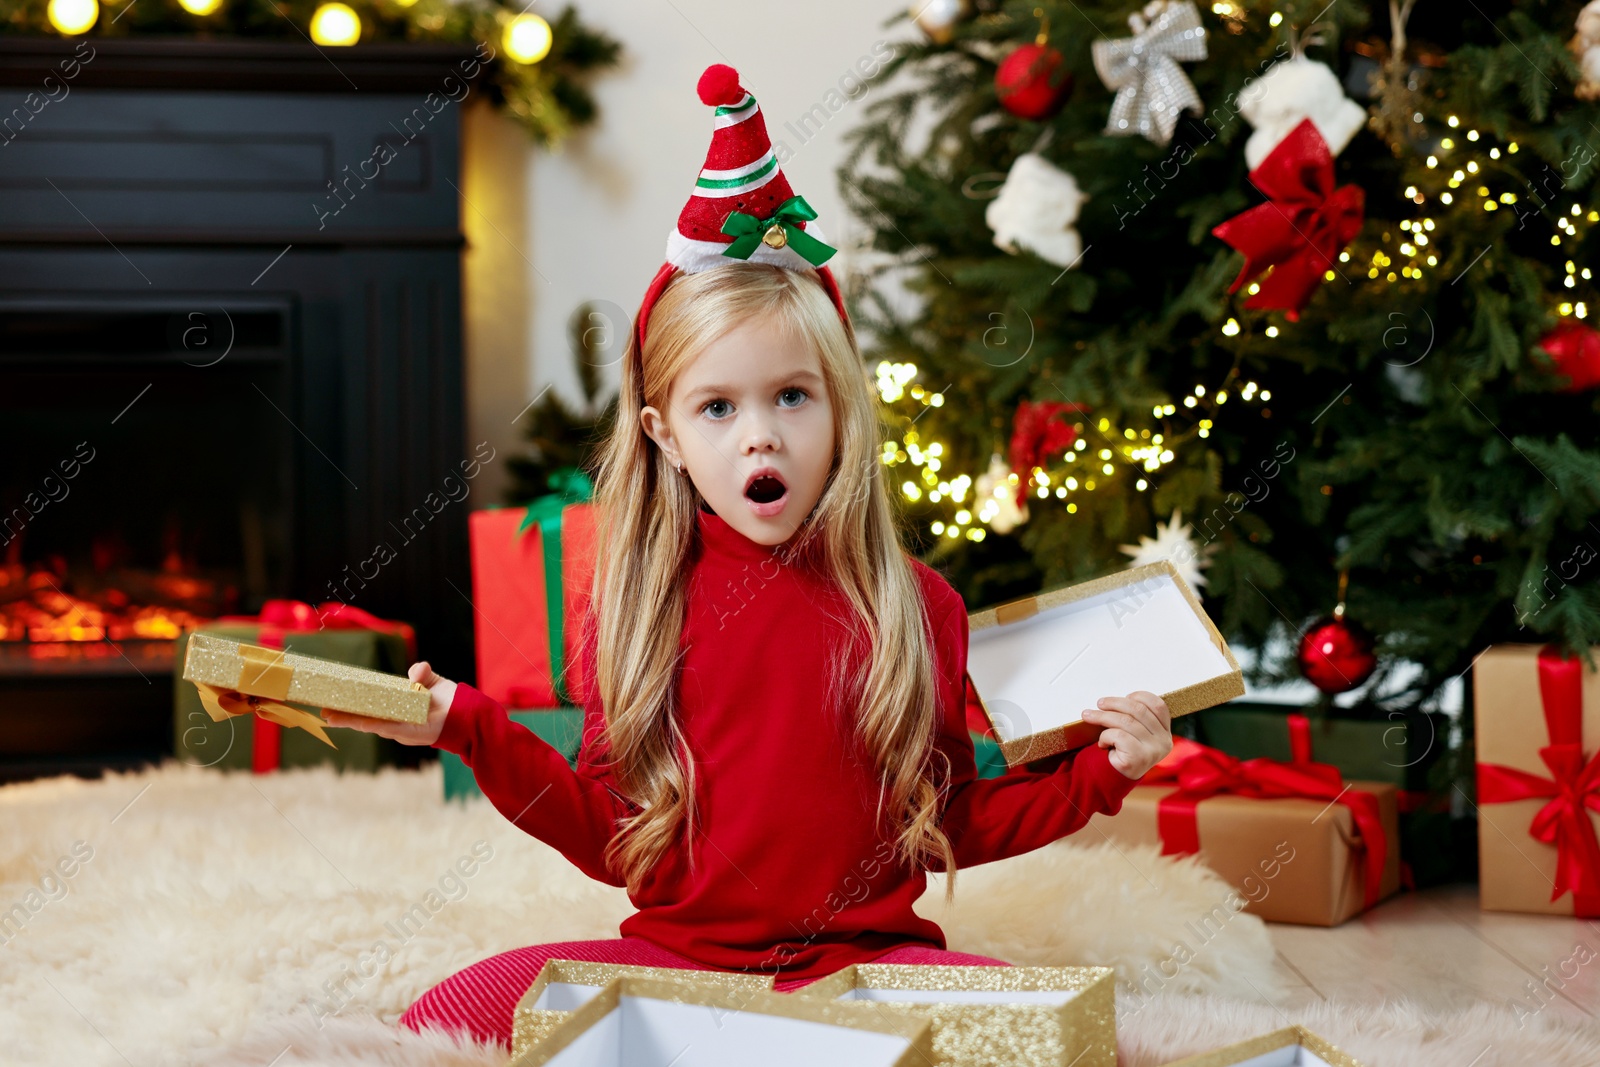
(656, 1022)
(1293, 1046)
(563, 986)
(235, 678)
(985, 1016)
(1036, 663)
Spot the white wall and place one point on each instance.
(547, 231)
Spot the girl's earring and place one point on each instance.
(681, 470)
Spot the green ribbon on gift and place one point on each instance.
(571, 486)
(747, 232)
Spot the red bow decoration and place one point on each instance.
(1200, 771)
(1039, 430)
(1573, 786)
(280, 616)
(1301, 229)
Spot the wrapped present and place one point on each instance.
(1037, 662)
(1538, 713)
(993, 1016)
(651, 1022)
(330, 631)
(1398, 747)
(234, 678)
(564, 986)
(560, 728)
(1293, 1046)
(531, 569)
(1298, 843)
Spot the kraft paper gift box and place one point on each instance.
(654, 1022)
(1538, 738)
(993, 1016)
(236, 678)
(531, 569)
(1038, 662)
(1295, 859)
(563, 986)
(1293, 1046)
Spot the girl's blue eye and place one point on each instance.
(795, 389)
(708, 404)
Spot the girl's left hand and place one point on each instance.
(1138, 730)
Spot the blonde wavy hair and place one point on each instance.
(643, 559)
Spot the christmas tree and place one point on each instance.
(1309, 276)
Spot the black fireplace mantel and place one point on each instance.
(203, 180)
(262, 66)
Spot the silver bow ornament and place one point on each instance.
(1143, 70)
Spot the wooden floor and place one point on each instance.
(1436, 947)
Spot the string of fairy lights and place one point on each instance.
(526, 37)
(1085, 467)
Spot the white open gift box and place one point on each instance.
(564, 986)
(986, 1016)
(1039, 661)
(655, 1022)
(1293, 1046)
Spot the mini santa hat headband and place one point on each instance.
(742, 207)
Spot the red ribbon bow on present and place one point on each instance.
(1303, 226)
(1200, 772)
(1573, 785)
(297, 615)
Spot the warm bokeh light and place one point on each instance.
(73, 16)
(200, 7)
(527, 38)
(335, 24)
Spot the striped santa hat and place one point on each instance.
(742, 207)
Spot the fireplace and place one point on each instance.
(230, 368)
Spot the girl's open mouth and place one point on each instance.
(766, 493)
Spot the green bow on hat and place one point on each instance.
(749, 232)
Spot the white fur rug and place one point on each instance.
(186, 916)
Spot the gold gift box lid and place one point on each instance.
(1293, 1046)
(275, 675)
(1141, 628)
(987, 1016)
(563, 986)
(651, 1022)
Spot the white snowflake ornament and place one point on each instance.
(997, 497)
(1295, 89)
(1174, 541)
(1035, 209)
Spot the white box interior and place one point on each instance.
(1288, 1056)
(1044, 671)
(645, 1032)
(565, 996)
(1054, 997)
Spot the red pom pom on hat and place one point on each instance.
(719, 86)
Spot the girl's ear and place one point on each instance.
(656, 428)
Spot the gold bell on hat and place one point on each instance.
(775, 237)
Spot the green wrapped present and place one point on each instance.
(562, 729)
(1398, 749)
(231, 744)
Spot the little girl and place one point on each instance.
(774, 749)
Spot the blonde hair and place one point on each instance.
(643, 558)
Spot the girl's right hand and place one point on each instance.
(441, 691)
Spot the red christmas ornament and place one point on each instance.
(1302, 228)
(1039, 430)
(1033, 82)
(1574, 348)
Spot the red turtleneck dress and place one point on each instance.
(793, 874)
